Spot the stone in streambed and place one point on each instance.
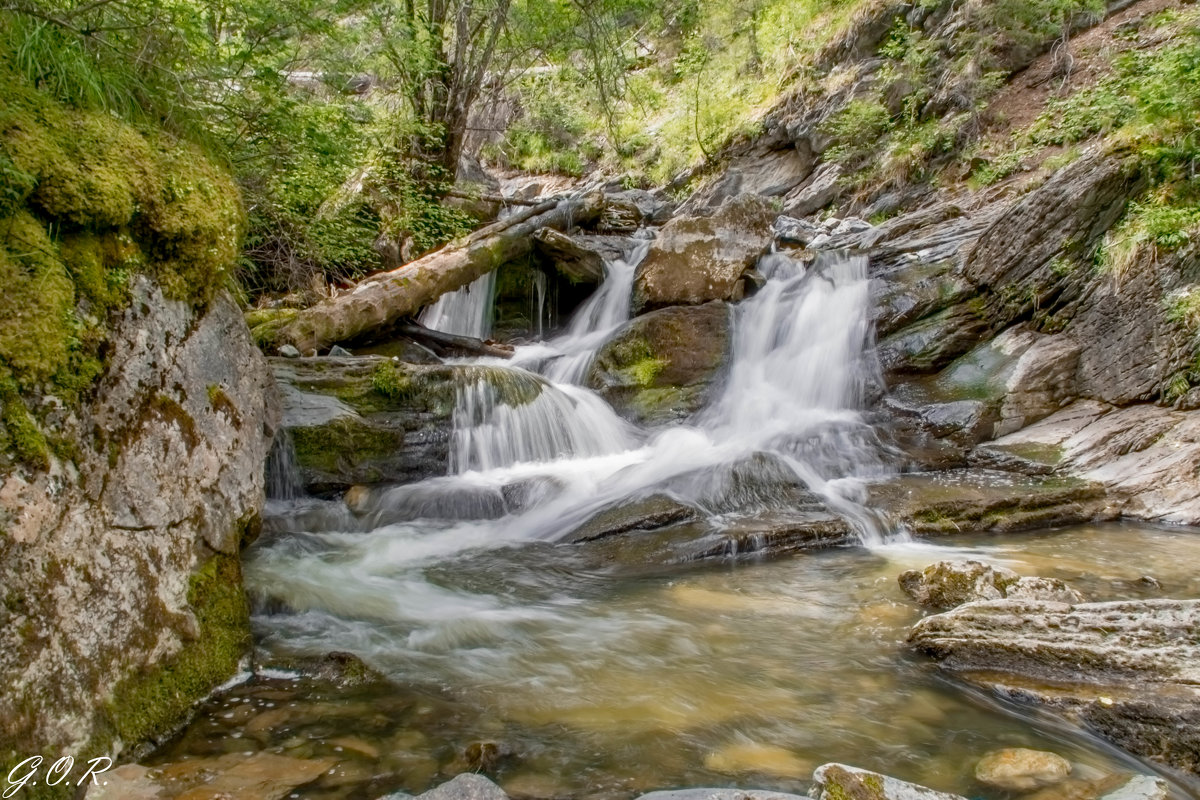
(661, 367)
(467, 786)
(261, 776)
(1140, 787)
(1126, 670)
(1021, 770)
(695, 259)
(758, 758)
(720, 794)
(947, 584)
(841, 782)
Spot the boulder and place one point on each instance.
(1140, 787)
(366, 420)
(1146, 457)
(841, 782)
(695, 259)
(628, 516)
(120, 561)
(1127, 670)
(974, 500)
(1018, 769)
(663, 366)
(947, 584)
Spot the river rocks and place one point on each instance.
(973, 500)
(1140, 787)
(1147, 457)
(120, 562)
(720, 794)
(662, 367)
(841, 782)
(695, 259)
(1127, 670)
(366, 420)
(947, 584)
(648, 513)
(1019, 769)
(467, 786)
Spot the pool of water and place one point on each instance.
(560, 673)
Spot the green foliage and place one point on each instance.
(856, 130)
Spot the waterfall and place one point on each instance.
(283, 471)
(802, 362)
(566, 358)
(505, 416)
(466, 312)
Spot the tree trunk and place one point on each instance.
(381, 301)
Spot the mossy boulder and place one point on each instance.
(662, 367)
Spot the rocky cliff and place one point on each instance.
(136, 417)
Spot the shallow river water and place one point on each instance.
(566, 679)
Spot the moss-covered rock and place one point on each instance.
(90, 202)
(661, 366)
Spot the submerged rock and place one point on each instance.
(841, 782)
(697, 259)
(1019, 769)
(1127, 670)
(947, 584)
(261, 776)
(662, 367)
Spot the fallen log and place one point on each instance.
(452, 345)
(383, 300)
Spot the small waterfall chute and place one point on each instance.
(467, 311)
(505, 416)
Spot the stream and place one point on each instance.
(606, 668)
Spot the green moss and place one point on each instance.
(87, 202)
(21, 431)
(151, 702)
(391, 381)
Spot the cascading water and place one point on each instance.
(616, 665)
(466, 312)
(566, 358)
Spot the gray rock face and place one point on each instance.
(695, 259)
(1127, 670)
(662, 367)
(1145, 456)
(1140, 787)
(123, 561)
(839, 782)
(570, 256)
(947, 584)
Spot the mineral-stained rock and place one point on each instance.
(1127, 670)
(261, 776)
(841, 782)
(947, 584)
(720, 794)
(1019, 769)
(661, 367)
(695, 259)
